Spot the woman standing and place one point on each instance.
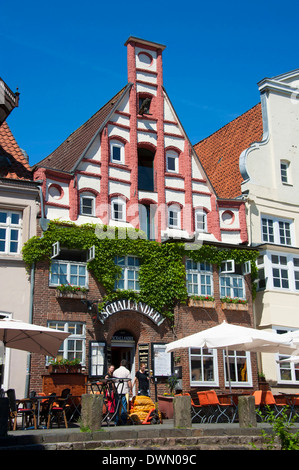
(143, 380)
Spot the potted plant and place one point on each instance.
(165, 401)
(233, 303)
(206, 301)
(71, 292)
(64, 366)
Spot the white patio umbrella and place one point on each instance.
(238, 338)
(293, 359)
(294, 337)
(29, 337)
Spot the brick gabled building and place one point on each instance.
(131, 166)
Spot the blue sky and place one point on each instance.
(68, 59)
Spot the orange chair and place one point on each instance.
(212, 408)
(265, 401)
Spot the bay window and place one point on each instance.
(278, 271)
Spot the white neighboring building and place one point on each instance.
(18, 211)
(261, 150)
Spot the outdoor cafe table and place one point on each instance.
(234, 400)
(292, 400)
(35, 401)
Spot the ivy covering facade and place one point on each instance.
(162, 274)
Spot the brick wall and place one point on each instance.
(188, 320)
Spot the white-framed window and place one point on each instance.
(117, 151)
(68, 272)
(172, 161)
(261, 280)
(227, 266)
(280, 274)
(278, 271)
(232, 285)
(200, 221)
(199, 277)
(118, 209)
(239, 368)
(10, 231)
(203, 367)
(96, 358)
(73, 347)
(87, 204)
(284, 171)
(287, 372)
(129, 277)
(174, 216)
(277, 230)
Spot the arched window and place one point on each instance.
(172, 161)
(118, 209)
(174, 216)
(117, 151)
(200, 221)
(87, 204)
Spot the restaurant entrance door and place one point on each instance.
(123, 347)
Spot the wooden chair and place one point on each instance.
(45, 407)
(57, 409)
(24, 408)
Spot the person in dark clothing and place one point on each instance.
(143, 380)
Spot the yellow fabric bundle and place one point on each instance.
(142, 405)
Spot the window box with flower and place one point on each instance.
(71, 292)
(233, 303)
(64, 366)
(205, 301)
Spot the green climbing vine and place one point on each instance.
(162, 274)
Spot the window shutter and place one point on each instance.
(246, 268)
(55, 249)
(91, 253)
(227, 266)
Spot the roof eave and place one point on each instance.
(104, 123)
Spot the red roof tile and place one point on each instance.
(19, 167)
(219, 153)
(67, 155)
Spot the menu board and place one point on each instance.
(143, 355)
(161, 360)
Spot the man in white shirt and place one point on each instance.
(123, 387)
